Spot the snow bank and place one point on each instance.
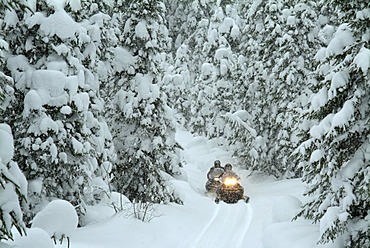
(292, 235)
(35, 238)
(284, 208)
(59, 219)
(106, 209)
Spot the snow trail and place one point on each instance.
(229, 222)
(226, 227)
(193, 241)
(265, 222)
(240, 236)
(229, 228)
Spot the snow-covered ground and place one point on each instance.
(265, 222)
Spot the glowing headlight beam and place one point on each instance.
(230, 181)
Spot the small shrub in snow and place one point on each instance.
(144, 211)
(119, 202)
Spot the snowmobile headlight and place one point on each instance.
(230, 181)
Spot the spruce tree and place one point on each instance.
(217, 62)
(227, 22)
(188, 24)
(177, 84)
(179, 14)
(13, 185)
(96, 60)
(141, 122)
(280, 37)
(336, 152)
(200, 101)
(245, 137)
(62, 141)
(13, 188)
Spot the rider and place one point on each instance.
(215, 171)
(229, 172)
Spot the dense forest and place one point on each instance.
(92, 92)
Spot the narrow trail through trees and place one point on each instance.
(226, 225)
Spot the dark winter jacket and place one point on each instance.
(215, 172)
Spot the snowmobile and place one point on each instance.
(230, 191)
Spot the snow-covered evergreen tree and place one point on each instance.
(13, 185)
(63, 143)
(183, 19)
(187, 25)
(291, 63)
(178, 25)
(5, 80)
(199, 101)
(177, 84)
(278, 43)
(141, 122)
(336, 153)
(226, 60)
(96, 59)
(217, 62)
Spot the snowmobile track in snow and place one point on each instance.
(230, 220)
(239, 236)
(201, 233)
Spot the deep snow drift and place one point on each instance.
(265, 222)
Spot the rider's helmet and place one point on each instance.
(228, 167)
(217, 163)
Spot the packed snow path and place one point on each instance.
(265, 222)
(225, 228)
(223, 225)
